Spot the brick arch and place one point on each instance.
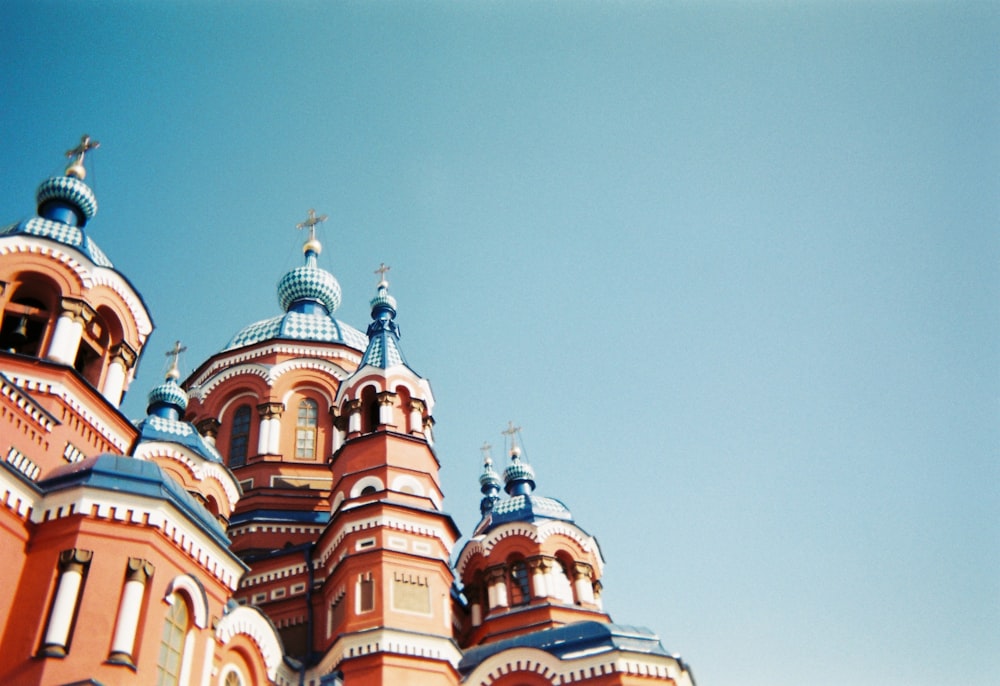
(518, 667)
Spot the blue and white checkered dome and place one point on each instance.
(168, 393)
(382, 299)
(518, 471)
(71, 191)
(309, 283)
(65, 204)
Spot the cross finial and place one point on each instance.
(175, 353)
(76, 167)
(487, 458)
(310, 223)
(382, 269)
(513, 431)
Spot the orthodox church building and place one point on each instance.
(277, 517)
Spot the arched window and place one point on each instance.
(520, 589)
(23, 326)
(175, 630)
(233, 679)
(305, 429)
(239, 436)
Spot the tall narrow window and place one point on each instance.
(305, 429)
(520, 591)
(172, 644)
(239, 436)
(366, 593)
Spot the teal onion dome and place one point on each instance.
(489, 480)
(519, 477)
(66, 199)
(382, 300)
(308, 284)
(168, 400)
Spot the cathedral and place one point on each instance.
(277, 516)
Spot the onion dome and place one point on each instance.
(169, 400)
(167, 403)
(65, 205)
(519, 477)
(489, 482)
(522, 505)
(383, 349)
(309, 296)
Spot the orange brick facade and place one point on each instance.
(278, 516)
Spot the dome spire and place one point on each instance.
(519, 477)
(169, 400)
(489, 481)
(76, 168)
(383, 333)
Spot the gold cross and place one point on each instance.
(487, 459)
(86, 145)
(382, 269)
(76, 167)
(311, 222)
(176, 354)
(513, 432)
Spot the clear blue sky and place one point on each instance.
(733, 267)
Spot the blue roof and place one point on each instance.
(73, 236)
(154, 428)
(527, 508)
(314, 326)
(293, 516)
(139, 477)
(566, 642)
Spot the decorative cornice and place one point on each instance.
(484, 544)
(89, 277)
(244, 356)
(386, 641)
(199, 468)
(119, 441)
(387, 522)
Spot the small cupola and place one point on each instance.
(168, 400)
(67, 199)
(519, 477)
(489, 482)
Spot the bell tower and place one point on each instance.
(387, 606)
(72, 328)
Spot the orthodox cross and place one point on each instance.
(175, 353)
(512, 431)
(311, 222)
(382, 269)
(487, 459)
(86, 145)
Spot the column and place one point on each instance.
(339, 427)
(474, 594)
(209, 429)
(353, 417)
(582, 582)
(68, 331)
(137, 574)
(417, 408)
(496, 584)
(269, 440)
(385, 401)
(539, 568)
(123, 358)
(72, 564)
